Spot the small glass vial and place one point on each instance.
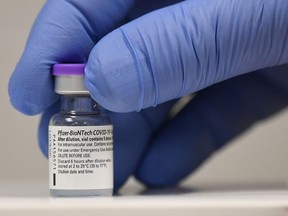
(80, 139)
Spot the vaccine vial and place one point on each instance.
(80, 139)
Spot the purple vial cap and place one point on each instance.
(68, 69)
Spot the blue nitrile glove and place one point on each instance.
(158, 58)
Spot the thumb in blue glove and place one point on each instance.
(184, 48)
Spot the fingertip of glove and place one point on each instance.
(28, 93)
(111, 75)
(17, 96)
(110, 104)
(24, 107)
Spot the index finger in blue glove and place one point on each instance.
(65, 31)
(184, 48)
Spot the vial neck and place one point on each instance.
(78, 104)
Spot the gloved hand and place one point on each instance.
(153, 60)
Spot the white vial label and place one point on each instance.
(80, 158)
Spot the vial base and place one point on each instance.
(79, 193)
